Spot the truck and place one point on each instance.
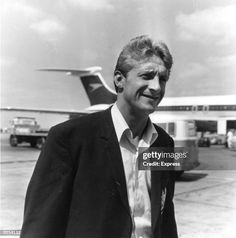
(26, 129)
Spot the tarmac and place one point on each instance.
(205, 199)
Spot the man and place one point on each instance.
(229, 139)
(86, 182)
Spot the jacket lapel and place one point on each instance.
(155, 198)
(114, 155)
(156, 194)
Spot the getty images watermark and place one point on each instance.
(166, 158)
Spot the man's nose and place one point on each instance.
(154, 84)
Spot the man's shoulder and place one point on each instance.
(81, 125)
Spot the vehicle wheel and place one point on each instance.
(39, 143)
(33, 143)
(13, 141)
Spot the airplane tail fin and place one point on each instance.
(95, 86)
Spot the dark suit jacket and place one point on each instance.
(78, 187)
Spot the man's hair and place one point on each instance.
(140, 48)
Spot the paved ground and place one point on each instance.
(205, 200)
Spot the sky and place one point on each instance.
(82, 33)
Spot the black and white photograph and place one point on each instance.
(118, 119)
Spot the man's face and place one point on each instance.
(144, 85)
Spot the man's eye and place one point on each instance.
(147, 76)
(163, 78)
(144, 77)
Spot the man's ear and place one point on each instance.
(119, 80)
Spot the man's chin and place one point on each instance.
(148, 109)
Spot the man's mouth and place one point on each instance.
(151, 96)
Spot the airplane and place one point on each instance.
(183, 111)
(221, 108)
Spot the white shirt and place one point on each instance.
(138, 181)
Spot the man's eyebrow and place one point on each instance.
(148, 71)
(153, 71)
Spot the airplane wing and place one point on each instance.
(50, 111)
(78, 72)
(91, 109)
